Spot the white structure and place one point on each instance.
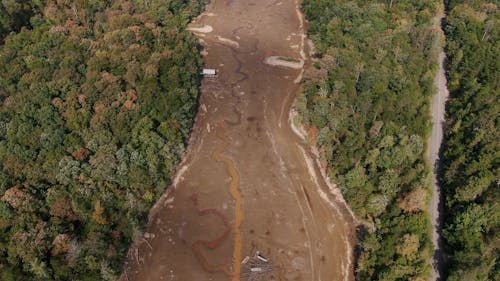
(262, 258)
(256, 268)
(209, 72)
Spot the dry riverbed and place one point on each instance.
(248, 182)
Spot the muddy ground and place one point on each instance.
(245, 184)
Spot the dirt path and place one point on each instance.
(245, 184)
(436, 138)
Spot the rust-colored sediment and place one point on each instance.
(235, 193)
(238, 215)
(211, 244)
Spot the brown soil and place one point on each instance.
(245, 185)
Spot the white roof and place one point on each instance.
(256, 269)
(209, 71)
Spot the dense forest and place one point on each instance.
(471, 168)
(367, 109)
(97, 100)
(16, 14)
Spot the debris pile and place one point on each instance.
(256, 268)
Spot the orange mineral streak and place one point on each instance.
(212, 244)
(235, 193)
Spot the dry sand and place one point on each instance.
(280, 61)
(203, 29)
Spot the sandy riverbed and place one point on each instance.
(247, 183)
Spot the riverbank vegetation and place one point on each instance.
(367, 110)
(97, 100)
(471, 157)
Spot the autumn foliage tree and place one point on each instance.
(369, 113)
(97, 100)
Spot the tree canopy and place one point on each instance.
(97, 100)
(367, 110)
(16, 14)
(471, 156)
